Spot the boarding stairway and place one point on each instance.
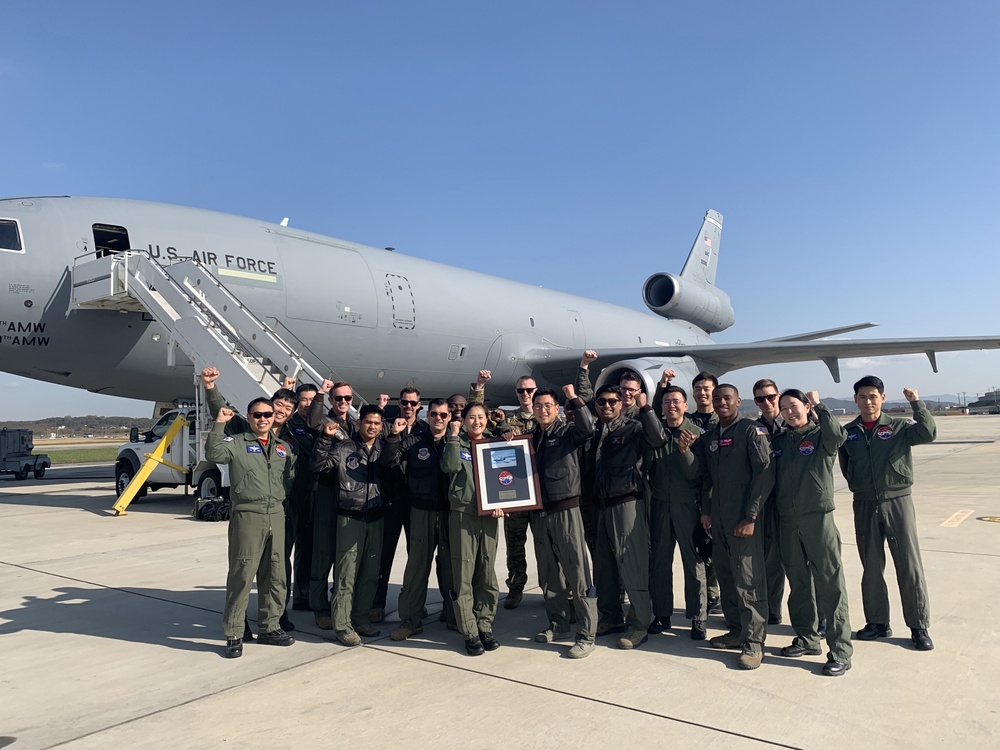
(203, 319)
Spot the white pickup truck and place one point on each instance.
(187, 449)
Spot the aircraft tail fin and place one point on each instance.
(703, 260)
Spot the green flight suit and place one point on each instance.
(473, 544)
(878, 466)
(261, 476)
(674, 513)
(737, 475)
(515, 525)
(809, 539)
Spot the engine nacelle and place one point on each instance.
(649, 370)
(672, 297)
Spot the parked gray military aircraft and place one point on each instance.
(370, 316)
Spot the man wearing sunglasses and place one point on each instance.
(262, 469)
(629, 386)
(515, 525)
(397, 513)
(284, 402)
(324, 516)
(621, 519)
(765, 396)
(418, 456)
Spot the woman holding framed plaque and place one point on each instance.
(473, 537)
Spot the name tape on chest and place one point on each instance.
(851, 436)
(466, 455)
(726, 442)
(254, 448)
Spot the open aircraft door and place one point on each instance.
(501, 360)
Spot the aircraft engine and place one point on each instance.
(649, 370)
(672, 297)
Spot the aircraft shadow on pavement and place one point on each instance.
(174, 619)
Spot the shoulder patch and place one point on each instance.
(228, 439)
(762, 431)
(911, 421)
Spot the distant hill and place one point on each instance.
(80, 426)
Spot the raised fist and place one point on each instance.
(569, 391)
(640, 399)
(484, 377)
(588, 356)
(813, 397)
(454, 426)
(910, 394)
(225, 414)
(330, 428)
(326, 386)
(398, 426)
(666, 377)
(686, 440)
(208, 376)
(289, 383)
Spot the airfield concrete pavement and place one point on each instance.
(110, 637)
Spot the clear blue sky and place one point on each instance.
(852, 148)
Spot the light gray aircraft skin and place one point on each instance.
(376, 318)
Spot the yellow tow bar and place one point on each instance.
(149, 463)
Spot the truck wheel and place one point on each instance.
(21, 474)
(123, 476)
(210, 485)
(39, 472)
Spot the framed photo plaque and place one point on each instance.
(505, 475)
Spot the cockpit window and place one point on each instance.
(10, 236)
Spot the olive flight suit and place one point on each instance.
(261, 475)
(878, 466)
(770, 536)
(737, 476)
(810, 540)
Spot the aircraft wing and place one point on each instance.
(721, 358)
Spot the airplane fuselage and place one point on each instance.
(376, 318)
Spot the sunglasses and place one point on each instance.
(525, 390)
(262, 414)
(771, 397)
(406, 402)
(608, 401)
(439, 415)
(348, 399)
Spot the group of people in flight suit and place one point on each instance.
(624, 480)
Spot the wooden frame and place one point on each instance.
(505, 475)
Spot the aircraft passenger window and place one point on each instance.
(10, 237)
(110, 239)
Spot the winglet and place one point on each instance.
(703, 260)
